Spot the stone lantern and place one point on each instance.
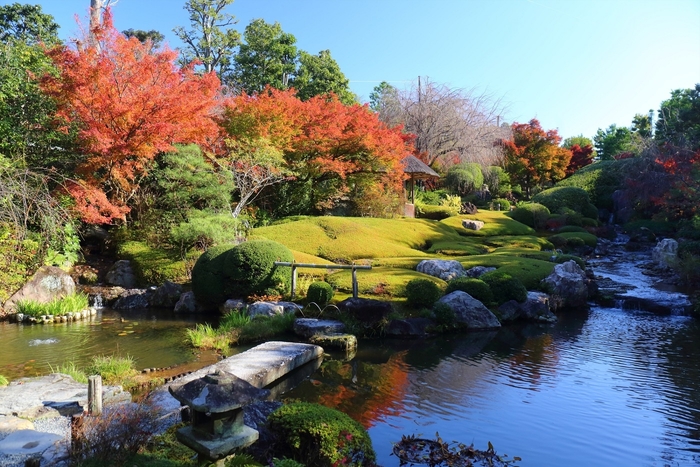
(216, 404)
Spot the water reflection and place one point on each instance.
(602, 387)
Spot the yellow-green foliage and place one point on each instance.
(57, 307)
(3, 381)
(344, 239)
(495, 223)
(380, 281)
(588, 238)
(113, 369)
(528, 270)
(519, 241)
(153, 265)
(462, 247)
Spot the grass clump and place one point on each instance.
(474, 287)
(58, 307)
(422, 292)
(112, 368)
(205, 336)
(320, 436)
(265, 327)
(71, 370)
(3, 381)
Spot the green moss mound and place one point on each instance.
(563, 197)
(581, 238)
(571, 228)
(501, 204)
(534, 215)
(251, 269)
(320, 436)
(495, 223)
(505, 287)
(320, 293)
(153, 265)
(474, 287)
(422, 293)
(209, 282)
(600, 180)
(436, 213)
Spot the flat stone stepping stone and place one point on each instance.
(336, 340)
(307, 327)
(10, 424)
(27, 442)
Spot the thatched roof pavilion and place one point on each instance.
(418, 170)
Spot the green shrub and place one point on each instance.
(571, 228)
(575, 242)
(590, 211)
(501, 204)
(210, 284)
(588, 222)
(464, 178)
(474, 287)
(422, 292)
(451, 201)
(505, 287)
(153, 265)
(531, 214)
(251, 269)
(559, 259)
(436, 213)
(444, 315)
(600, 180)
(588, 238)
(497, 179)
(563, 197)
(320, 436)
(203, 230)
(320, 293)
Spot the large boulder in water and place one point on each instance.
(47, 284)
(469, 311)
(166, 296)
(665, 253)
(567, 285)
(371, 314)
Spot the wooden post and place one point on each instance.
(95, 395)
(294, 280)
(354, 282)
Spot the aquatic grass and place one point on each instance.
(58, 307)
(3, 381)
(113, 369)
(71, 370)
(233, 320)
(204, 336)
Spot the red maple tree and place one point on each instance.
(129, 102)
(580, 157)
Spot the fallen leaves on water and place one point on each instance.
(412, 450)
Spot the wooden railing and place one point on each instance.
(295, 265)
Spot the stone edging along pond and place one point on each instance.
(48, 319)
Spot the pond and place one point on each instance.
(153, 338)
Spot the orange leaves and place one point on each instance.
(129, 102)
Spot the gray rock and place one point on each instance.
(409, 327)
(470, 224)
(665, 253)
(371, 314)
(469, 311)
(25, 442)
(567, 284)
(233, 304)
(478, 271)
(166, 296)
(186, 304)
(121, 274)
(269, 309)
(444, 269)
(47, 284)
(8, 424)
(509, 311)
(537, 309)
(290, 307)
(134, 298)
(307, 327)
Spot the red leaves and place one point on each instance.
(580, 157)
(130, 103)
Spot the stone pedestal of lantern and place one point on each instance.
(216, 404)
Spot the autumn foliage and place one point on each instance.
(580, 157)
(322, 140)
(129, 103)
(533, 156)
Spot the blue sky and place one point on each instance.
(576, 65)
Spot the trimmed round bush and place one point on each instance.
(464, 178)
(436, 213)
(320, 436)
(531, 214)
(422, 292)
(251, 269)
(590, 211)
(564, 197)
(474, 287)
(501, 204)
(571, 228)
(320, 293)
(210, 285)
(505, 287)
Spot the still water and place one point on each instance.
(153, 338)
